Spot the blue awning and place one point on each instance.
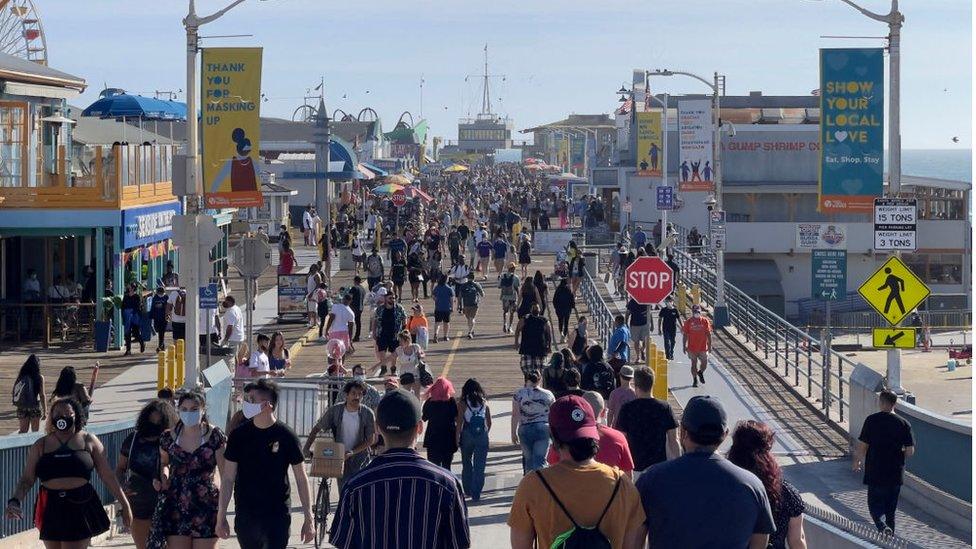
(123, 105)
(380, 172)
(342, 161)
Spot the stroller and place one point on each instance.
(561, 267)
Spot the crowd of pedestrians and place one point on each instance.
(605, 463)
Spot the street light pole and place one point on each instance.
(664, 164)
(894, 20)
(191, 251)
(720, 313)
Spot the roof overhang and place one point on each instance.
(40, 90)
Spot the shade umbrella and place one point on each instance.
(387, 188)
(115, 103)
(456, 168)
(397, 179)
(416, 192)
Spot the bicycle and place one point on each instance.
(321, 509)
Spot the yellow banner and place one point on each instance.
(231, 100)
(563, 153)
(650, 153)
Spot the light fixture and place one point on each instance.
(622, 99)
(622, 90)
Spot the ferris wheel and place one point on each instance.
(21, 33)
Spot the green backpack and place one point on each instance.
(580, 537)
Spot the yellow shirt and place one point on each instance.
(585, 491)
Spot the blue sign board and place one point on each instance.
(829, 270)
(665, 198)
(304, 175)
(208, 296)
(851, 128)
(149, 224)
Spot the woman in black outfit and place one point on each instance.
(540, 284)
(69, 512)
(752, 449)
(564, 303)
(415, 273)
(138, 465)
(398, 273)
(440, 412)
(528, 296)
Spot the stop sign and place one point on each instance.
(399, 199)
(649, 280)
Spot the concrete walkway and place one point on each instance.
(815, 463)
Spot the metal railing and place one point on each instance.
(302, 401)
(13, 459)
(598, 311)
(788, 349)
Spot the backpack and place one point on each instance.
(374, 265)
(179, 307)
(25, 394)
(477, 425)
(469, 294)
(507, 285)
(580, 537)
(602, 379)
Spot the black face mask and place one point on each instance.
(63, 423)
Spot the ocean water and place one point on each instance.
(956, 164)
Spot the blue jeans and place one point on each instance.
(534, 440)
(474, 455)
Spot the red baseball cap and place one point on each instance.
(571, 417)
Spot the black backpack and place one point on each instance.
(24, 393)
(581, 537)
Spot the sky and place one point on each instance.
(557, 57)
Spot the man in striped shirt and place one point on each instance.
(401, 500)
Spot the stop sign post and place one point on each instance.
(399, 199)
(649, 280)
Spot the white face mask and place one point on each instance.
(252, 409)
(191, 419)
(359, 377)
(696, 315)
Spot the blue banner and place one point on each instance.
(851, 129)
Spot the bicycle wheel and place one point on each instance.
(321, 512)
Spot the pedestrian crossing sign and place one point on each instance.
(894, 290)
(894, 338)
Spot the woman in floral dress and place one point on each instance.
(190, 455)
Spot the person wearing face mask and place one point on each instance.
(138, 465)
(350, 423)
(371, 398)
(189, 456)
(259, 453)
(667, 325)
(157, 312)
(697, 332)
(69, 512)
(390, 319)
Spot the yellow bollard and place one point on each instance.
(682, 301)
(660, 390)
(171, 367)
(695, 294)
(649, 358)
(180, 363)
(161, 370)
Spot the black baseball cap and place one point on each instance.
(398, 411)
(705, 415)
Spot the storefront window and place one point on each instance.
(936, 268)
(13, 143)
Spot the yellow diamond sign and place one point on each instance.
(894, 290)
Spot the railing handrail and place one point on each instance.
(777, 335)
